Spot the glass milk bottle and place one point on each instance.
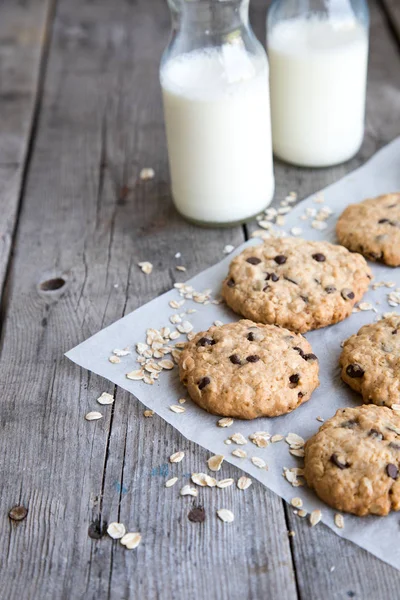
(214, 79)
(318, 52)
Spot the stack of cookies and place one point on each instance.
(262, 366)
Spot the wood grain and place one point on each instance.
(22, 42)
(86, 218)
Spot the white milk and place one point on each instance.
(217, 116)
(318, 72)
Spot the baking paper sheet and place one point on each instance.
(378, 535)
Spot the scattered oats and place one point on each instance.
(141, 348)
(260, 438)
(176, 457)
(223, 483)
(265, 225)
(200, 479)
(271, 212)
(175, 303)
(105, 398)
(302, 513)
(131, 540)
(166, 364)
(174, 319)
(136, 375)
(180, 268)
(291, 197)
(264, 235)
(394, 298)
(276, 438)
(320, 419)
(148, 413)
(228, 442)
(177, 408)
(258, 462)
(116, 530)
(114, 360)
(299, 452)
(93, 416)
(296, 231)
(174, 335)
(225, 422)
(190, 311)
(284, 210)
(239, 453)
(146, 267)
(185, 327)
(296, 502)
(228, 249)
(225, 515)
(215, 462)
(180, 345)
(315, 517)
(319, 198)
(153, 367)
(320, 225)
(170, 482)
(311, 212)
(148, 380)
(339, 521)
(244, 483)
(295, 440)
(366, 306)
(389, 284)
(189, 491)
(291, 533)
(218, 323)
(280, 220)
(190, 336)
(146, 173)
(124, 352)
(239, 439)
(182, 400)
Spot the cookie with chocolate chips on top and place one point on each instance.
(353, 461)
(370, 362)
(248, 370)
(295, 283)
(372, 227)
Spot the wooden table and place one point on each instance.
(80, 115)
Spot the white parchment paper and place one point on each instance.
(378, 535)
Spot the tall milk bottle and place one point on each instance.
(214, 79)
(318, 73)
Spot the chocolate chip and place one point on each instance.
(253, 358)
(272, 277)
(347, 294)
(392, 470)
(319, 257)
(336, 461)
(294, 379)
(330, 289)
(355, 371)
(205, 342)
(394, 331)
(197, 515)
(203, 382)
(350, 424)
(381, 221)
(291, 280)
(265, 288)
(235, 359)
(251, 337)
(280, 259)
(310, 356)
(394, 446)
(374, 433)
(18, 513)
(253, 260)
(300, 395)
(299, 350)
(230, 283)
(304, 298)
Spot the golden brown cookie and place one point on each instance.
(246, 370)
(372, 228)
(353, 461)
(295, 283)
(370, 362)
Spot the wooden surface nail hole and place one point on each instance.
(51, 285)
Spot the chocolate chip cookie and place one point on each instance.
(295, 283)
(353, 461)
(245, 370)
(370, 362)
(372, 228)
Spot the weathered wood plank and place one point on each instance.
(316, 550)
(392, 8)
(22, 37)
(101, 122)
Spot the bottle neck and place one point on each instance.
(210, 17)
